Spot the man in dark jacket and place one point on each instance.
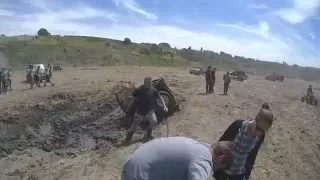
(227, 81)
(145, 101)
(213, 74)
(247, 136)
(210, 80)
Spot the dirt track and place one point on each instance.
(81, 98)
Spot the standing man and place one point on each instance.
(1, 81)
(227, 81)
(37, 76)
(209, 80)
(48, 76)
(177, 158)
(49, 70)
(145, 102)
(310, 96)
(213, 79)
(310, 91)
(9, 79)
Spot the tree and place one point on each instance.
(189, 48)
(126, 41)
(43, 32)
(164, 45)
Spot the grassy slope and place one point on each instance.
(84, 51)
(79, 51)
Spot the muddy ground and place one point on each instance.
(72, 130)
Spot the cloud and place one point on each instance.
(301, 10)
(133, 6)
(258, 40)
(312, 35)
(262, 29)
(258, 6)
(4, 12)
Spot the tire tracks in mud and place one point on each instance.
(64, 124)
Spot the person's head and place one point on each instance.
(148, 82)
(228, 73)
(265, 106)
(263, 121)
(310, 86)
(222, 154)
(209, 67)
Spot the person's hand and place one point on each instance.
(245, 178)
(165, 109)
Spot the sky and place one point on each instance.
(272, 30)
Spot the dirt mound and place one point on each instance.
(62, 123)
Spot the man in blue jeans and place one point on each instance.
(177, 158)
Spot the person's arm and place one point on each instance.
(199, 171)
(136, 92)
(157, 94)
(231, 131)
(252, 157)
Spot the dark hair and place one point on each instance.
(265, 106)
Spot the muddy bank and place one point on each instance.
(65, 123)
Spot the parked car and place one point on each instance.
(196, 71)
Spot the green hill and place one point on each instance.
(76, 51)
(83, 50)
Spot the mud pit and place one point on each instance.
(65, 124)
(290, 151)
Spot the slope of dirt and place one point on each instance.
(291, 149)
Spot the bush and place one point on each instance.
(43, 32)
(126, 41)
(165, 45)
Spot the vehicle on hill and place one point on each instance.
(239, 75)
(275, 77)
(197, 71)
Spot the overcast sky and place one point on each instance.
(274, 30)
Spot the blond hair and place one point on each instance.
(265, 115)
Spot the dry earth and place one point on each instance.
(28, 118)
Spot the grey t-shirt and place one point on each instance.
(173, 158)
